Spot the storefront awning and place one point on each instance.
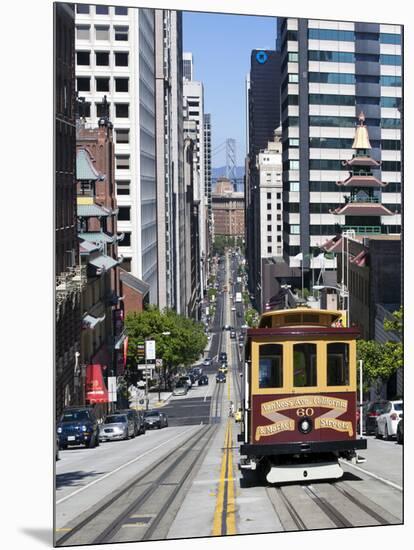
(96, 391)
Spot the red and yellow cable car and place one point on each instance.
(300, 397)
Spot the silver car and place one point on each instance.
(116, 426)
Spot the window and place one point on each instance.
(328, 34)
(386, 38)
(373, 57)
(340, 121)
(269, 249)
(279, 228)
(333, 78)
(279, 217)
(278, 195)
(102, 84)
(124, 213)
(83, 84)
(83, 58)
(294, 142)
(122, 187)
(295, 229)
(121, 59)
(126, 241)
(390, 145)
(391, 102)
(337, 364)
(390, 80)
(367, 78)
(294, 186)
(318, 55)
(101, 110)
(269, 228)
(269, 195)
(332, 99)
(101, 10)
(82, 32)
(304, 365)
(293, 57)
(271, 366)
(269, 238)
(330, 143)
(269, 206)
(121, 34)
(294, 165)
(102, 59)
(121, 110)
(293, 78)
(122, 136)
(269, 217)
(102, 32)
(82, 8)
(122, 162)
(119, 10)
(390, 123)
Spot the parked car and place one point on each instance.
(117, 426)
(186, 380)
(226, 327)
(233, 334)
(78, 426)
(203, 380)
(156, 419)
(220, 377)
(372, 411)
(197, 371)
(180, 389)
(207, 362)
(400, 431)
(387, 422)
(223, 356)
(138, 419)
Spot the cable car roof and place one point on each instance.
(301, 316)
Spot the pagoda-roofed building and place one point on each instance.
(362, 208)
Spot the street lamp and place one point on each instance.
(343, 293)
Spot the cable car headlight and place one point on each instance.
(305, 425)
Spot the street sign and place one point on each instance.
(141, 351)
(150, 350)
(112, 395)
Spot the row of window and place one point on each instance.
(330, 186)
(119, 110)
(351, 57)
(119, 33)
(278, 250)
(349, 78)
(350, 36)
(100, 10)
(278, 228)
(346, 100)
(102, 84)
(271, 371)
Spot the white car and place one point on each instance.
(387, 422)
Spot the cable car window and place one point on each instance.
(304, 365)
(338, 364)
(271, 366)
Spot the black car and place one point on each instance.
(220, 377)
(78, 426)
(223, 356)
(155, 419)
(400, 432)
(203, 380)
(138, 419)
(372, 411)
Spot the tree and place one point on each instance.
(380, 361)
(182, 346)
(252, 317)
(396, 324)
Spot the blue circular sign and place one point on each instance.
(261, 57)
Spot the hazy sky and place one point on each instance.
(221, 47)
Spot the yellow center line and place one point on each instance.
(224, 522)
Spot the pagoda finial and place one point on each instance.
(361, 140)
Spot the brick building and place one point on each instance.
(228, 209)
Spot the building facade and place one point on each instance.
(67, 268)
(188, 66)
(115, 57)
(228, 209)
(331, 71)
(263, 113)
(208, 180)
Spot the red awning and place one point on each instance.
(96, 391)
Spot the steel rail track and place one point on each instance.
(84, 523)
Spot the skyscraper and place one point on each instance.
(188, 66)
(208, 178)
(115, 58)
(331, 71)
(263, 97)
